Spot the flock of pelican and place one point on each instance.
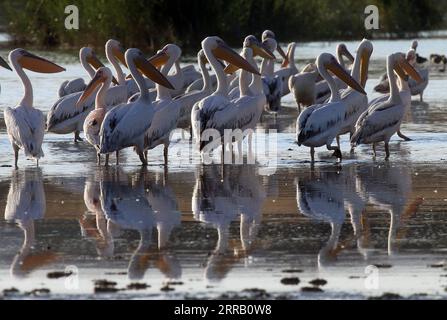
(142, 109)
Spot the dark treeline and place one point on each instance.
(154, 22)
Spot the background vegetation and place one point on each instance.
(186, 22)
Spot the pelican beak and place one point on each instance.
(230, 69)
(119, 53)
(281, 52)
(410, 70)
(262, 51)
(364, 62)
(129, 76)
(341, 73)
(160, 59)
(285, 62)
(224, 52)
(91, 87)
(347, 54)
(4, 64)
(94, 61)
(34, 63)
(152, 73)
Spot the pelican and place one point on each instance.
(419, 59)
(308, 87)
(319, 124)
(167, 110)
(416, 88)
(26, 125)
(245, 79)
(93, 121)
(89, 62)
(437, 59)
(273, 86)
(125, 125)
(66, 116)
(405, 94)
(381, 121)
(288, 69)
(356, 102)
(188, 99)
(204, 112)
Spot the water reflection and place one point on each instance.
(25, 204)
(219, 200)
(326, 195)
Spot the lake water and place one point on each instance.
(367, 227)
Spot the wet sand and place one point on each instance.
(257, 231)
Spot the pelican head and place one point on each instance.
(414, 45)
(268, 34)
(4, 64)
(102, 76)
(327, 61)
(136, 57)
(32, 62)
(258, 48)
(116, 48)
(89, 55)
(404, 68)
(411, 57)
(365, 49)
(220, 50)
(170, 52)
(342, 50)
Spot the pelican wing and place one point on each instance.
(26, 129)
(73, 86)
(163, 123)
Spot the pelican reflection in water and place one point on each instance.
(25, 204)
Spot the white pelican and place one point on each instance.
(381, 121)
(318, 125)
(288, 69)
(405, 95)
(416, 88)
(167, 110)
(66, 116)
(246, 82)
(24, 124)
(356, 102)
(125, 125)
(204, 112)
(419, 59)
(188, 99)
(89, 62)
(94, 120)
(273, 86)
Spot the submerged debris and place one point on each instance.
(293, 281)
(105, 286)
(311, 289)
(137, 286)
(58, 274)
(166, 288)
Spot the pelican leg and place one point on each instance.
(37, 163)
(374, 150)
(422, 98)
(250, 141)
(337, 152)
(142, 157)
(312, 154)
(165, 154)
(402, 136)
(98, 159)
(16, 155)
(387, 150)
(77, 138)
(190, 133)
(107, 160)
(117, 158)
(338, 142)
(352, 145)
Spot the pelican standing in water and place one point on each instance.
(273, 86)
(356, 102)
(93, 122)
(188, 99)
(167, 110)
(67, 117)
(204, 111)
(288, 69)
(319, 124)
(405, 94)
(381, 121)
(126, 124)
(25, 125)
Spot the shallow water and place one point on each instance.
(214, 234)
